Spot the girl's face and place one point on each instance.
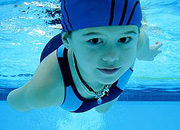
(104, 53)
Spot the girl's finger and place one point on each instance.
(158, 45)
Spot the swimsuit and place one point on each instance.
(73, 101)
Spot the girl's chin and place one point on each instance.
(108, 80)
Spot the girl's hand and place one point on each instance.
(150, 53)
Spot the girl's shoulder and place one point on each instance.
(57, 84)
(47, 83)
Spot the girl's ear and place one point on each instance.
(66, 39)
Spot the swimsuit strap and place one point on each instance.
(64, 66)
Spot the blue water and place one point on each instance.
(25, 29)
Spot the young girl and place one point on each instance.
(89, 64)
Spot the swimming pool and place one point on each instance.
(151, 100)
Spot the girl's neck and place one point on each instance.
(90, 81)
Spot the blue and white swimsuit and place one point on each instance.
(73, 101)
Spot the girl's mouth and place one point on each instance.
(109, 70)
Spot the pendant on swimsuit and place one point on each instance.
(101, 94)
(99, 101)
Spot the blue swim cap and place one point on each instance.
(80, 14)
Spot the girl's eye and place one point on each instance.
(124, 39)
(95, 40)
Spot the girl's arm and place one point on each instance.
(45, 89)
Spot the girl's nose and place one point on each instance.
(110, 54)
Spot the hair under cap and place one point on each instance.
(80, 14)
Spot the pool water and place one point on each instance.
(150, 101)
